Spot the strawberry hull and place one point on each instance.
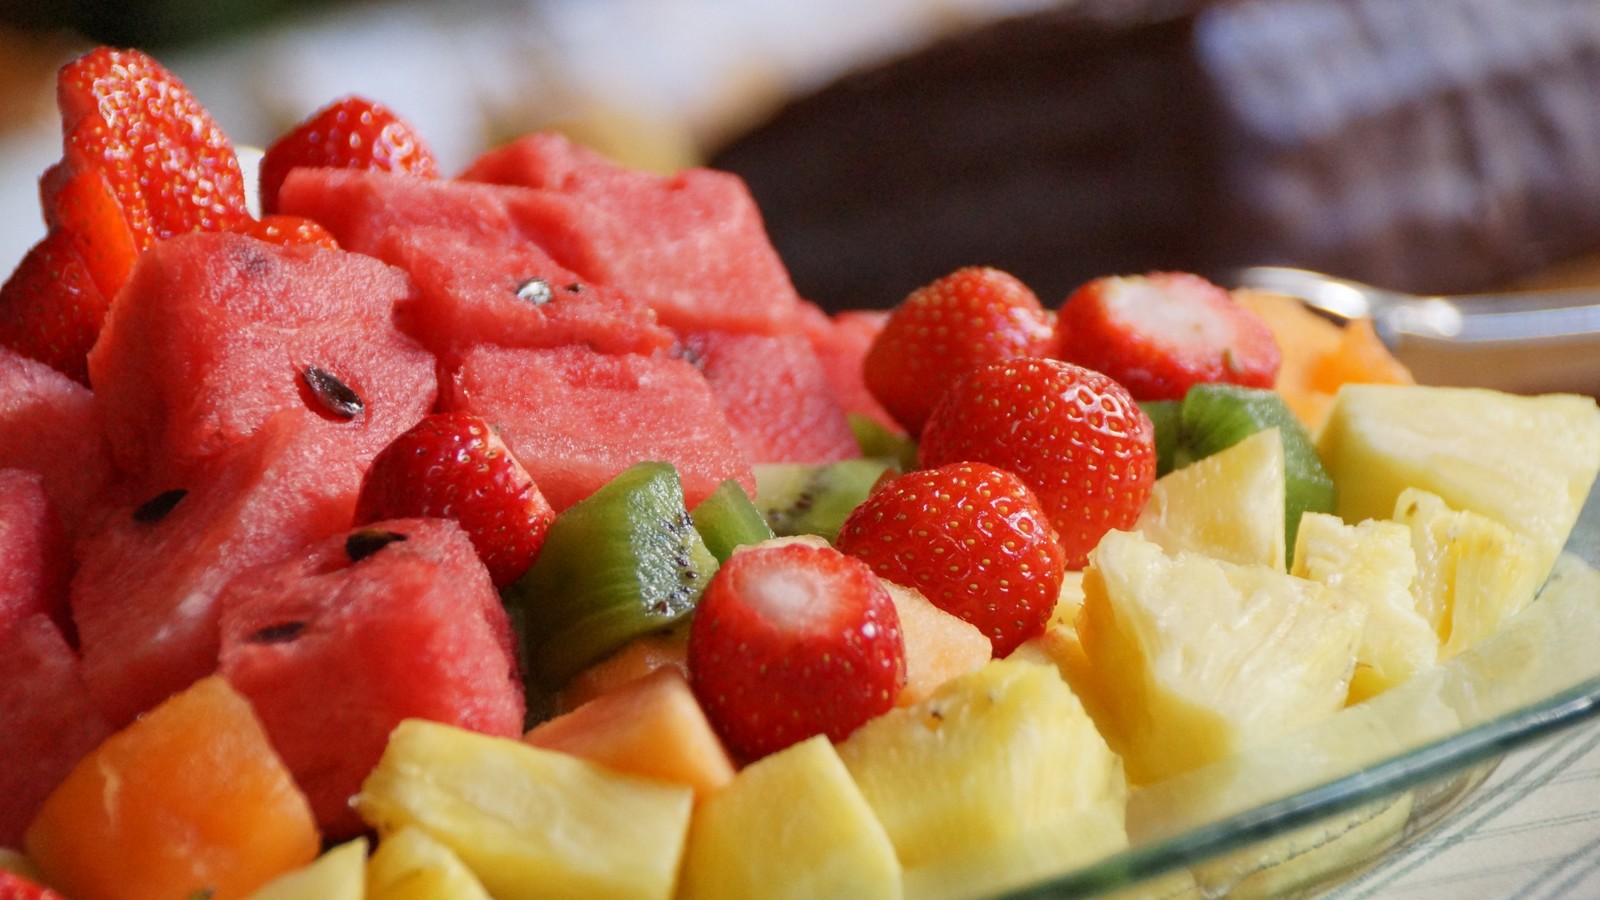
(334, 651)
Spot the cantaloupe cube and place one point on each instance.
(637, 658)
(652, 726)
(939, 646)
(410, 865)
(339, 874)
(791, 825)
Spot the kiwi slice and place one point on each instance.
(727, 519)
(1214, 417)
(814, 498)
(877, 440)
(624, 562)
(1165, 415)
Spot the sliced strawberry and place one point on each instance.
(171, 167)
(289, 231)
(50, 309)
(1073, 435)
(352, 133)
(81, 203)
(972, 538)
(947, 328)
(790, 641)
(454, 466)
(15, 887)
(1162, 333)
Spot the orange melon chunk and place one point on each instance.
(637, 659)
(652, 726)
(190, 799)
(939, 646)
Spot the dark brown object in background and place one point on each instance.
(1433, 147)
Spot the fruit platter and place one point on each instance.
(374, 531)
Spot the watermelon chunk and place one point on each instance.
(215, 333)
(46, 717)
(48, 425)
(691, 245)
(576, 418)
(144, 595)
(35, 558)
(511, 296)
(779, 402)
(333, 653)
(361, 207)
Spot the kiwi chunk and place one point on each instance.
(1166, 416)
(815, 498)
(624, 562)
(1214, 417)
(878, 440)
(727, 519)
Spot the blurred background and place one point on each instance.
(1451, 145)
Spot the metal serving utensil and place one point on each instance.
(1523, 341)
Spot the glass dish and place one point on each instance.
(1314, 808)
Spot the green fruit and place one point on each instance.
(877, 440)
(814, 498)
(728, 519)
(1214, 417)
(624, 562)
(1165, 415)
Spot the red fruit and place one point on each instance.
(171, 168)
(353, 133)
(1162, 333)
(947, 328)
(289, 231)
(16, 887)
(972, 538)
(1073, 435)
(454, 466)
(82, 204)
(790, 641)
(50, 309)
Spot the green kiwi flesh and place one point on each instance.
(815, 498)
(728, 519)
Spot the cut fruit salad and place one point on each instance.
(524, 533)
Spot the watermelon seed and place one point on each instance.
(362, 544)
(574, 288)
(535, 291)
(278, 634)
(339, 398)
(156, 508)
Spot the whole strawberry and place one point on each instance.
(352, 133)
(1162, 333)
(50, 309)
(793, 640)
(454, 466)
(1073, 435)
(947, 328)
(972, 538)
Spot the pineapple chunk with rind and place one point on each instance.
(1374, 563)
(792, 824)
(1527, 462)
(529, 822)
(1473, 573)
(410, 865)
(1229, 505)
(989, 758)
(1204, 657)
(338, 874)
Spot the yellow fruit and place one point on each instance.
(1525, 462)
(529, 822)
(338, 874)
(1472, 572)
(792, 824)
(410, 865)
(996, 761)
(1203, 657)
(1374, 563)
(1228, 505)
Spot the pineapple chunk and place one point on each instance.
(792, 824)
(1526, 462)
(338, 874)
(1473, 573)
(995, 762)
(529, 822)
(1205, 657)
(410, 865)
(1229, 505)
(1372, 561)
